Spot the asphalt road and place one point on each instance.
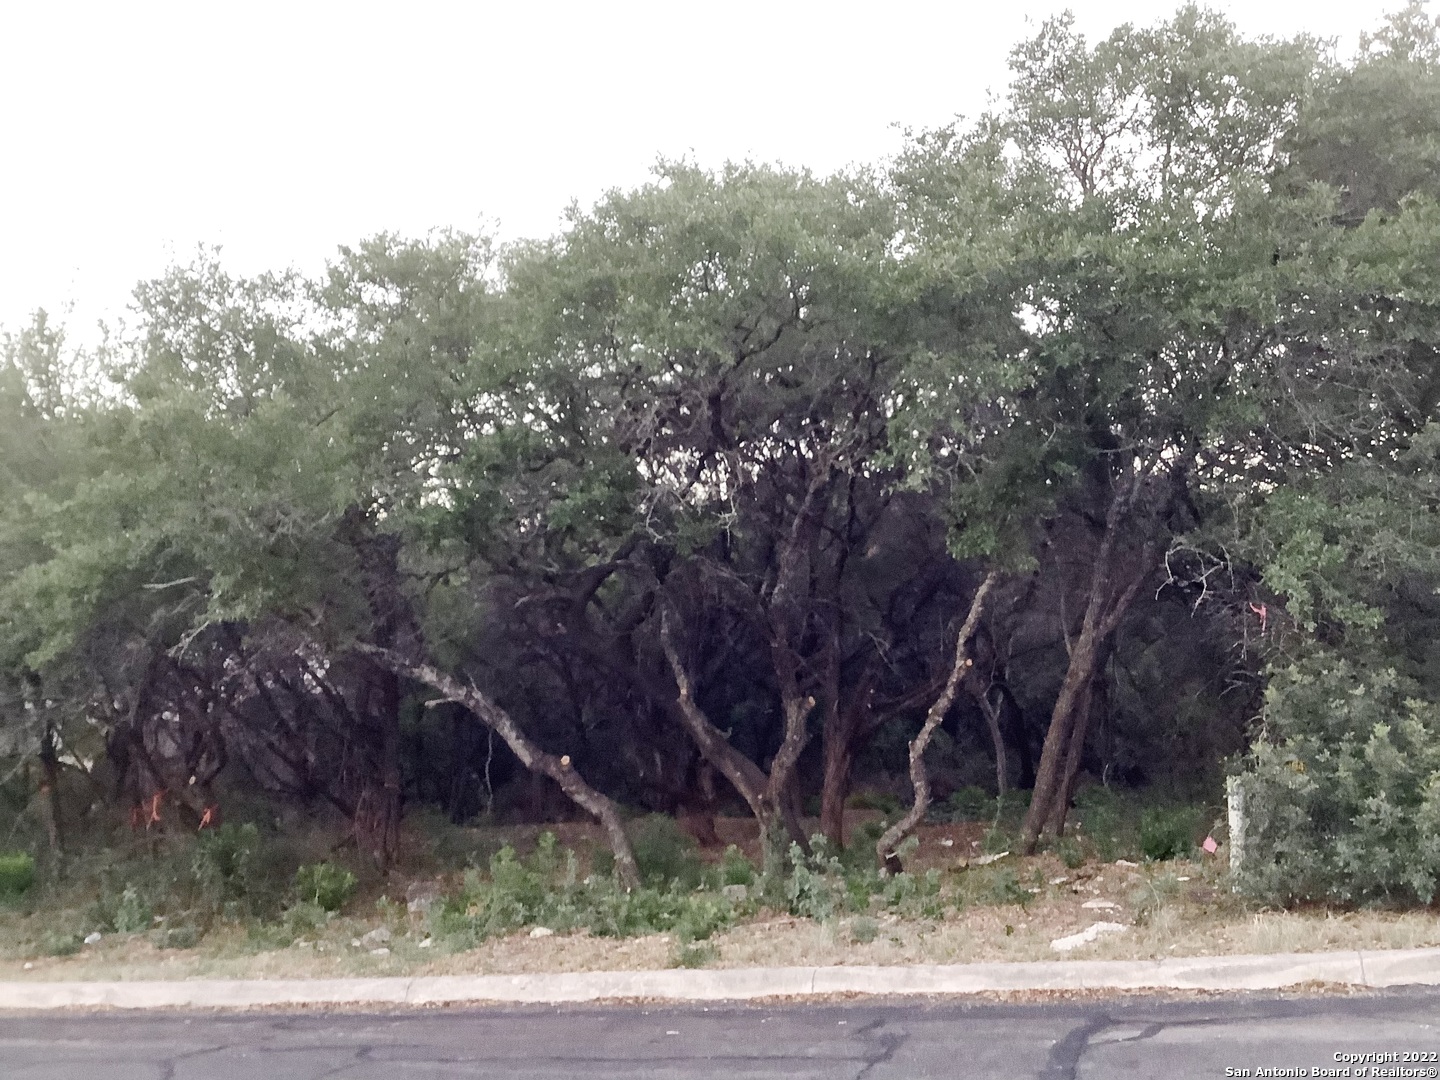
(1133, 1037)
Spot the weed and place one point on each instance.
(694, 955)
(1151, 897)
(997, 840)
(1070, 852)
(545, 890)
(970, 803)
(304, 918)
(132, 914)
(1167, 832)
(325, 885)
(665, 853)
(735, 868)
(175, 937)
(17, 873)
(1102, 812)
(815, 887)
(864, 930)
(999, 887)
(61, 942)
(222, 862)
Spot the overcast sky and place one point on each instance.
(131, 132)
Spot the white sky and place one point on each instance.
(131, 132)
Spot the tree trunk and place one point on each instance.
(885, 848)
(1055, 824)
(835, 786)
(762, 793)
(559, 769)
(997, 739)
(50, 793)
(1103, 612)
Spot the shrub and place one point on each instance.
(970, 803)
(864, 930)
(1168, 832)
(17, 873)
(223, 861)
(1102, 814)
(665, 853)
(735, 868)
(1070, 852)
(132, 914)
(304, 918)
(816, 887)
(61, 942)
(325, 885)
(545, 889)
(1342, 790)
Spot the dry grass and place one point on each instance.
(1170, 909)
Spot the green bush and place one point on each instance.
(1101, 815)
(816, 886)
(970, 803)
(1070, 852)
(665, 853)
(325, 885)
(864, 930)
(1342, 790)
(61, 942)
(17, 873)
(735, 868)
(1168, 832)
(545, 890)
(132, 914)
(223, 862)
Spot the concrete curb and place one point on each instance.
(1397, 967)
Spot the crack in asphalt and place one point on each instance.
(1065, 1055)
(889, 1042)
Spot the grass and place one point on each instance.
(165, 911)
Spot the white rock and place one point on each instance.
(986, 860)
(1126, 862)
(1058, 880)
(382, 951)
(379, 936)
(1100, 905)
(947, 842)
(541, 931)
(421, 896)
(29, 966)
(93, 938)
(1088, 935)
(427, 943)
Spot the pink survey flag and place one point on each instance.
(1210, 845)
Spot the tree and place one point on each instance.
(1134, 249)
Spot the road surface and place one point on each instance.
(1129, 1037)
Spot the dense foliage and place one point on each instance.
(682, 509)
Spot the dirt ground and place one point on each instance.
(1180, 908)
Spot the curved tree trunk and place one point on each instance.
(885, 848)
(559, 769)
(1103, 611)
